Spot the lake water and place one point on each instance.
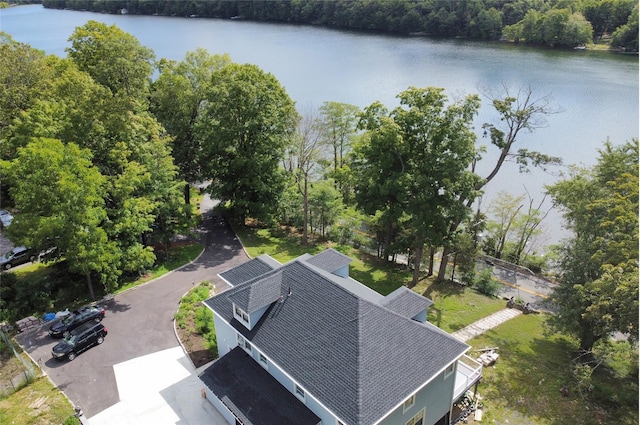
(595, 92)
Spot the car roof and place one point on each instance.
(85, 327)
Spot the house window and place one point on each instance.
(300, 392)
(263, 360)
(449, 370)
(240, 314)
(408, 403)
(417, 419)
(244, 343)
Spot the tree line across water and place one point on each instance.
(562, 23)
(97, 159)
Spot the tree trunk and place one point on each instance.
(90, 287)
(387, 241)
(443, 264)
(417, 260)
(432, 253)
(305, 214)
(187, 193)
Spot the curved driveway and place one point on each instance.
(139, 321)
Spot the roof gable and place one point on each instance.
(249, 270)
(406, 302)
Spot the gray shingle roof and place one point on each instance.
(252, 394)
(360, 359)
(251, 298)
(406, 302)
(249, 270)
(329, 260)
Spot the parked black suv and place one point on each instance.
(18, 255)
(68, 323)
(80, 339)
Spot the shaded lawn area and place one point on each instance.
(456, 306)
(524, 385)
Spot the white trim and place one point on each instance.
(435, 375)
(406, 407)
(448, 373)
(422, 412)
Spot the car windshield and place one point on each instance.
(67, 319)
(71, 340)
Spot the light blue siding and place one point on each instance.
(435, 397)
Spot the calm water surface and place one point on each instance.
(595, 92)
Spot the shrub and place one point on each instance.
(204, 320)
(486, 284)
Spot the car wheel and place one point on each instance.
(33, 258)
(7, 266)
(71, 356)
(98, 319)
(100, 340)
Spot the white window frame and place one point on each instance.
(240, 314)
(299, 392)
(449, 370)
(244, 343)
(417, 417)
(409, 403)
(262, 359)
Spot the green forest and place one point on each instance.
(555, 23)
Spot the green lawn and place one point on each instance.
(39, 403)
(524, 385)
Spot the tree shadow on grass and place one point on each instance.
(528, 376)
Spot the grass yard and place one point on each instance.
(523, 387)
(39, 403)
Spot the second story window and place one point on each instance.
(409, 403)
(244, 343)
(240, 314)
(299, 392)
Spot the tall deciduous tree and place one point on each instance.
(598, 289)
(24, 75)
(338, 124)
(178, 98)
(428, 148)
(248, 123)
(301, 159)
(112, 57)
(60, 196)
(519, 112)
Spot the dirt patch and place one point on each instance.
(194, 344)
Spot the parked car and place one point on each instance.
(18, 255)
(76, 318)
(5, 218)
(80, 339)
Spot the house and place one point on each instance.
(302, 343)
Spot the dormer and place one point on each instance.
(250, 303)
(407, 303)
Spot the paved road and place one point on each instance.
(139, 322)
(531, 289)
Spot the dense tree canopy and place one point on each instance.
(247, 124)
(598, 290)
(415, 160)
(178, 98)
(552, 22)
(113, 58)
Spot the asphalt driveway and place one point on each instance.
(139, 322)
